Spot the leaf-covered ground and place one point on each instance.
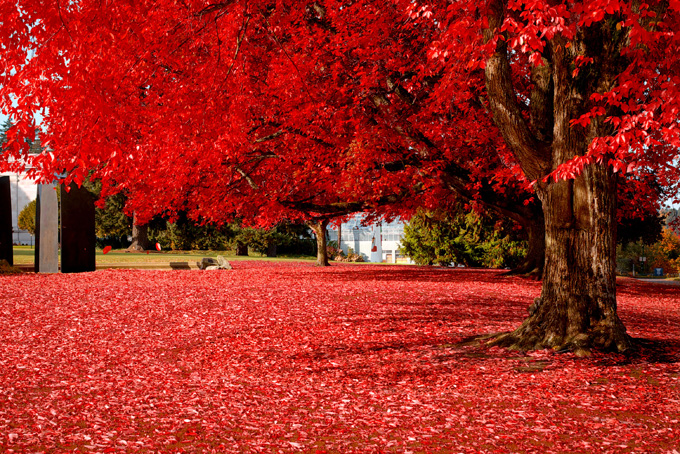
(281, 357)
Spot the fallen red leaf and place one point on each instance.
(288, 357)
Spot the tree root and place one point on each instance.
(530, 336)
(535, 273)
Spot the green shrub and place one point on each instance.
(459, 237)
(26, 219)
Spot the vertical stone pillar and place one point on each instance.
(77, 230)
(6, 250)
(357, 239)
(47, 230)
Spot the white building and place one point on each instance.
(23, 191)
(374, 242)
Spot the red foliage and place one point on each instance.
(235, 107)
(279, 357)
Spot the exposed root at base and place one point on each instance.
(531, 273)
(476, 340)
(640, 349)
(581, 345)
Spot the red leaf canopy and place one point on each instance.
(256, 108)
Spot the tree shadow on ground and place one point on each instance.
(643, 351)
(415, 273)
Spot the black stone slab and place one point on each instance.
(77, 230)
(36, 250)
(6, 250)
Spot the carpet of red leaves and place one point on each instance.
(280, 357)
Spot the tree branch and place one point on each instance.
(533, 156)
(541, 101)
(213, 7)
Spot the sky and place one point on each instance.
(3, 118)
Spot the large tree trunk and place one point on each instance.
(319, 229)
(140, 236)
(577, 307)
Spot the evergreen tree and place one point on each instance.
(460, 237)
(3, 131)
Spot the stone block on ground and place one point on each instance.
(180, 265)
(206, 262)
(224, 264)
(209, 263)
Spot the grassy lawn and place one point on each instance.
(24, 255)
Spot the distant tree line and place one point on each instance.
(460, 236)
(657, 244)
(114, 228)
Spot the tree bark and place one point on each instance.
(241, 249)
(577, 307)
(534, 260)
(140, 236)
(319, 229)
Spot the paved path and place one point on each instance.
(660, 281)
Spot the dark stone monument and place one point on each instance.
(6, 251)
(47, 230)
(77, 230)
(36, 250)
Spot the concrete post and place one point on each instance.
(47, 235)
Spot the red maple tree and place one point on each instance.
(316, 108)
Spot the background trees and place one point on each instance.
(657, 240)
(459, 237)
(26, 219)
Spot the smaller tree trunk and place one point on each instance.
(535, 258)
(319, 229)
(271, 250)
(241, 249)
(140, 236)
